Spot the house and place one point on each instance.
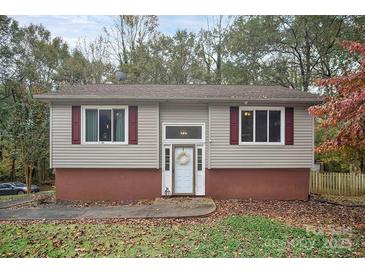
(125, 142)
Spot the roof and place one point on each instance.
(181, 92)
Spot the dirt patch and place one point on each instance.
(98, 203)
(49, 201)
(352, 201)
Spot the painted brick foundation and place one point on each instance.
(261, 184)
(92, 184)
(107, 184)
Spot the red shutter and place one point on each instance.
(289, 126)
(76, 125)
(133, 125)
(233, 136)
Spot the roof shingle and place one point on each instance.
(181, 92)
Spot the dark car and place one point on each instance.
(15, 188)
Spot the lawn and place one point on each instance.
(5, 198)
(234, 236)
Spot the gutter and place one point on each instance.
(68, 98)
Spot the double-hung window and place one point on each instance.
(105, 124)
(260, 125)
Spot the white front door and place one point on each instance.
(183, 169)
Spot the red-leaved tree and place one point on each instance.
(345, 108)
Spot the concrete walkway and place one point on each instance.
(161, 208)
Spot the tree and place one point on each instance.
(74, 70)
(211, 49)
(345, 108)
(291, 51)
(181, 57)
(307, 40)
(247, 47)
(98, 66)
(127, 40)
(156, 68)
(33, 59)
(9, 47)
(27, 133)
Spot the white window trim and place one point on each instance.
(282, 125)
(104, 107)
(183, 141)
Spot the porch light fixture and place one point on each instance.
(247, 113)
(167, 191)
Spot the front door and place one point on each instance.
(183, 181)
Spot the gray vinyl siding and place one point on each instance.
(147, 154)
(184, 113)
(224, 155)
(142, 155)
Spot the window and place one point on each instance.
(247, 126)
(183, 132)
(91, 125)
(261, 125)
(274, 126)
(119, 125)
(105, 124)
(200, 159)
(167, 159)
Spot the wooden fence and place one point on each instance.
(347, 184)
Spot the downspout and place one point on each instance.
(313, 146)
(158, 136)
(50, 135)
(209, 134)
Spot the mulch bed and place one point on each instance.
(312, 213)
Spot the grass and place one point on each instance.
(237, 236)
(5, 198)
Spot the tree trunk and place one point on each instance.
(30, 180)
(28, 177)
(219, 66)
(307, 74)
(43, 171)
(13, 175)
(1, 149)
(38, 170)
(219, 53)
(26, 174)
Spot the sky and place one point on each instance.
(71, 28)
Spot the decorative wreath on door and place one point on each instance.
(183, 158)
